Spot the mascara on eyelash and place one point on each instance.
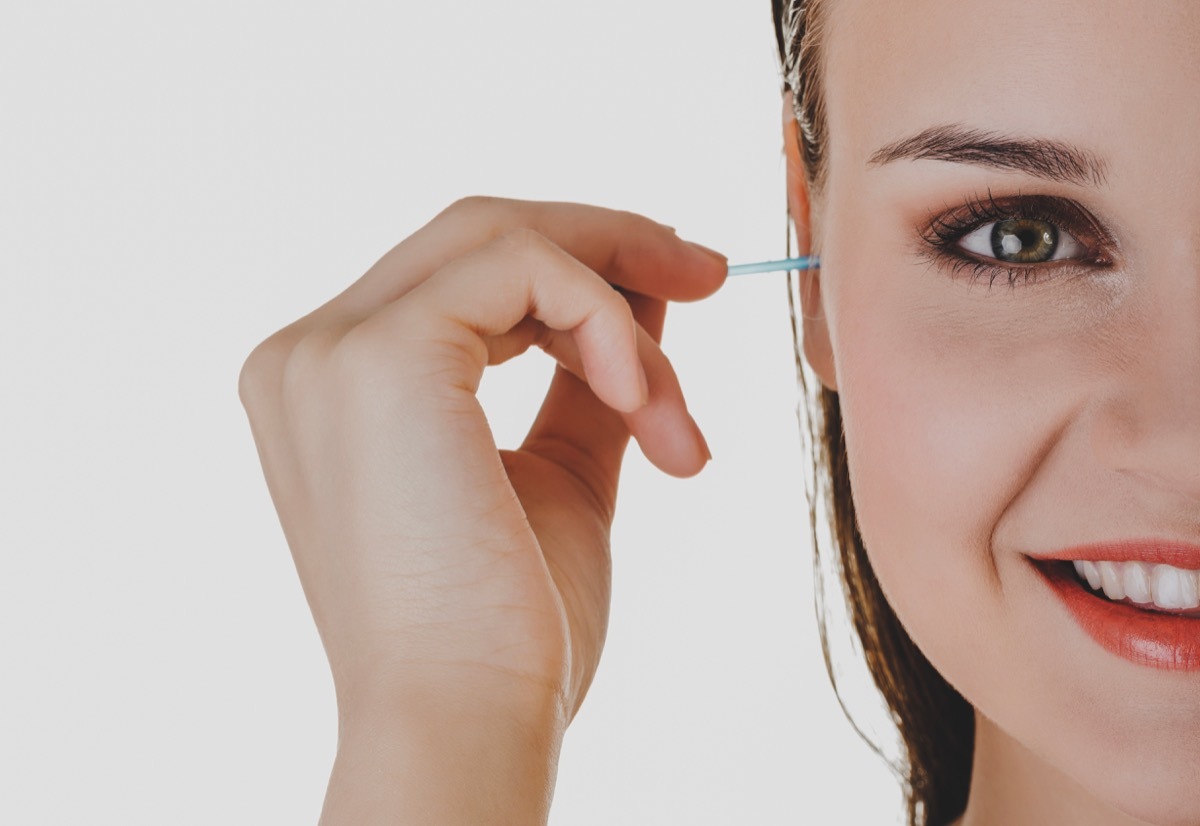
(944, 232)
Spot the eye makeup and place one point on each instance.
(1051, 224)
(1027, 230)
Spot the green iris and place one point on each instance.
(1024, 240)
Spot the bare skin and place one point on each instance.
(983, 423)
(462, 591)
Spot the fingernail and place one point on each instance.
(671, 230)
(710, 253)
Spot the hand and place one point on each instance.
(430, 558)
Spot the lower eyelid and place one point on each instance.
(971, 269)
(990, 272)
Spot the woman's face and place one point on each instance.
(987, 422)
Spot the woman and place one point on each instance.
(1006, 332)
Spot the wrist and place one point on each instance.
(443, 756)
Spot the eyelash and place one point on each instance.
(943, 233)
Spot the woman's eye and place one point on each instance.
(1022, 241)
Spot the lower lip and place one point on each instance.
(1149, 638)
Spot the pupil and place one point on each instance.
(1024, 241)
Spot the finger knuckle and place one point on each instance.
(628, 250)
(262, 368)
(477, 206)
(250, 377)
(306, 364)
(616, 303)
(636, 222)
(357, 355)
(524, 241)
(248, 383)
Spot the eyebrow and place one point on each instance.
(1041, 157)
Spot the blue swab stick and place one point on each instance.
(808, 262)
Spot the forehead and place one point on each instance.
(1109, 74)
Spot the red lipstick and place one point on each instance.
(1154, 638)
(1153, 551)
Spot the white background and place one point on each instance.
(179, 180)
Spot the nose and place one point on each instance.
(1150, 425)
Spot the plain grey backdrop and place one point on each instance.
(180, 180)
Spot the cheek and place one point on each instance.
(954, 417)
(942, 427)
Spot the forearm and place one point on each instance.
(444, 763)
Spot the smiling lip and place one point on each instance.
(1144, 637)
(1153, 551)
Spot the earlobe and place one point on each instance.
(818, 351)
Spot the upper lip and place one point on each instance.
(1153, 551)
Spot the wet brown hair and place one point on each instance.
(934, 721)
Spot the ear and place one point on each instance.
(817, 350)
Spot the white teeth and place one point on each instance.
(1168, 591)
(1137, 583)
(1088, 570)
(1190, 591)
(1111, 579)
(1173, 588)
(1163, 585)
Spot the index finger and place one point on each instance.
(627, 249)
